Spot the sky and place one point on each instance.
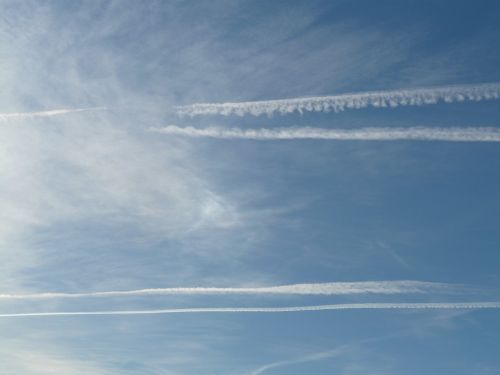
(249, 187)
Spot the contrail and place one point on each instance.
(468, 134)
(308, 358)
(334, 288)
(204, 310)
(325, 354)
(54, 112)
(339, 103)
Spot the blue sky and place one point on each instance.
(93, 201)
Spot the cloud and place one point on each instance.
(72, 187)
(90, 190)
(34, 361)
(335, 288)
(339, 103)
(51, 113)
(307, 358)
(204, 310)
(468, 134)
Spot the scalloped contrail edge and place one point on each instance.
(53, 112)
(350, 306)
(332, 288)
(339, 103)
(466, 134)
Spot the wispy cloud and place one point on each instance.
(467, 134)
(51, 113)
(204, 310)
(307, 358)
(16, 358)
(335, 288)
(339, 103)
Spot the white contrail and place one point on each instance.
(334, 288)
(469, 134)
(204, 310)
(54, 112)
(338, 103)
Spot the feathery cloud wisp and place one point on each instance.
(349, 306)
(339, 103)
(334, 288)
(468, 134)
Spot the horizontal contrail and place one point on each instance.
(338, 103)
(469, 134)
(54, 112)
(203, 310)
(335, 288)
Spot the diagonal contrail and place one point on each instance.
(333, 288)
(308, 358)
(468, 134)
(51, 113)
(338, 103)
(204, 310)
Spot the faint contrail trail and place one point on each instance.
(54, 112)
(469, 134)
(325, 354)
(308, 358)
(201, 310)
(338, 103)
(334, 288)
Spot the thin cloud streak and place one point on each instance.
(204, 310)
(308, 358)
(334, 288)
(51, 113)
(467, 134)
(339, 103)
